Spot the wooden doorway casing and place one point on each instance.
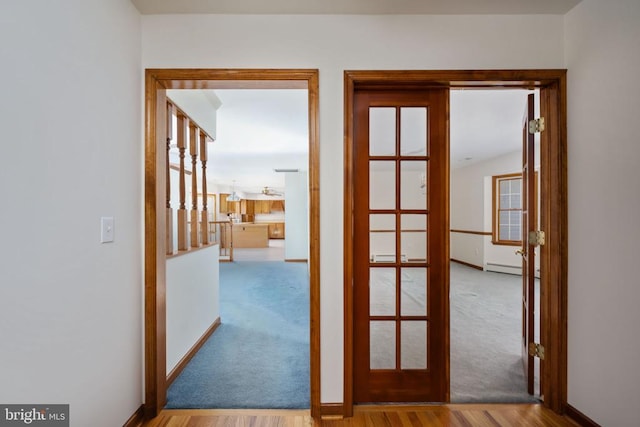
(156, 82)
(553, 207)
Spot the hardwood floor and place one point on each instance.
(476, 415)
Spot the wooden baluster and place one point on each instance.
(169, 211)
(183, 243)
(204, 222)
(195, 216)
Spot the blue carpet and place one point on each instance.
(259, 356)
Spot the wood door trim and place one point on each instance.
(552, 85)
(155, 175)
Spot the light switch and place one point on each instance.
(106, 229)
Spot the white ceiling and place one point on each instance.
(259, 130)
(356, 7)
(255, 131)
(485, 124)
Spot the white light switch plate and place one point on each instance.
(106, 229)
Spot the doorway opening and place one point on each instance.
(258, 357)
(486, 296)
(157, 83)
(552, 86)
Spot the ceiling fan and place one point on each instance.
(271, 192)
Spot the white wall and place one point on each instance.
(296, 216)
(333, 44)
(70, 307)
(471, 209)
(193, 300)
(603, 60)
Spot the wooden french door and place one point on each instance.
(401, 251)
(529, 224)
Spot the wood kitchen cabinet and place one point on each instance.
(262, 206)
(228, 207)
(247, 210)
(276, 230)
(277, 206)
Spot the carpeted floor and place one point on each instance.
(485, 337)
(259, 356)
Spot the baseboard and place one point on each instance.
(332, 410)
(477, 267)
(578, 417)
(192, 352)
(136, 419)
(295, 260)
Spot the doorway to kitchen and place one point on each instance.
(157, 82)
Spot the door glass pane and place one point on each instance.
(413, 184)
(382, 291)
(382, 222)
(382, 238)
(382, 344)
(382, 131)
(413, 344)
(382, 184)
(413, 238)
(413, 291)
(413, 131)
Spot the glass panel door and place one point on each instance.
(400, 225)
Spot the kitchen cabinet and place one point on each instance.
(247, 207)
(277, 206)
(276, 230)
(262, 206)
(228, 207)
(247, 210)
(224, 205)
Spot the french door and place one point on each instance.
(400, 245)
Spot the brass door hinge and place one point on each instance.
(536, 350)
(536, 238)
(536, 126)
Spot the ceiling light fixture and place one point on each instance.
(233, 197)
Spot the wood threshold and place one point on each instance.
(137, 419)
(192, 352)
(553, 101)
(468, 264)
(578, 417)
(156, 83)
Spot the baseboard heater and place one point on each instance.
(505, 268)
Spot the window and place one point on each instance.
(507, 209)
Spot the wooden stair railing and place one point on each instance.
(183, 243)
(195, 215)
(204, 222)
(193, 226)
(169, 211)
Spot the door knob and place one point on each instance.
(520, 252)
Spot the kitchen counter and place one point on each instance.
(250, 235)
